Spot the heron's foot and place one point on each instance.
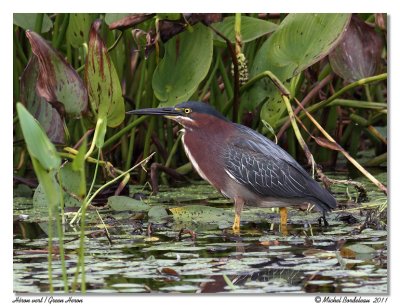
(236, 224)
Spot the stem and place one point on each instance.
(171, 155)
(107, 184)
(306, 100)
(225, 78)
(115, 42)
(236, 88)
(95, 137)
(39, 23)
(347, 155)
(61, 235)
(63, 30)
(20, 51)
(326, 102)
(94, 176)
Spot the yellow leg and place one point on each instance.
(238, 210)
(283, 216)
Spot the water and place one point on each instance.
(145, 254)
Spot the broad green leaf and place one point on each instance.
(38, 145)
(105, 94)
(78, 29)
(58, 83)
(121, 203)
(200, 213)
(361, 248)
(157, 214)
(251, 28)
(44, 112)
(300, 41)
(358, 55)
(27, 21)
(40, 200)
(186, 62)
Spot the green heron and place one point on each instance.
(240, 163)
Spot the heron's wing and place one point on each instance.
(265, 168)
(264, 172)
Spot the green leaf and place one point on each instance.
(100, 132)
(105, 94)
(58, 83)
(185, 64)
(300, 41)
(27, 21)
(120, 203)
(251, 28)
(78, 165)
(361, 248)
(200, 213)
(40, 199)
(48, 117)
(38, 145)
(157, 214)
(78, 29)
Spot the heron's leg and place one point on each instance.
(239, 202)
(283, 219)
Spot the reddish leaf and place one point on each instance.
(129, 21)
(358, 55)
(104, 88)
(328, 144)
(48, 117)
(57, 82)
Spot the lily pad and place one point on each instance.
(200, 213)
(120, 203)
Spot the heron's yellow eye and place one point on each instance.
(187, 110)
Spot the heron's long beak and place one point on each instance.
(162, 111)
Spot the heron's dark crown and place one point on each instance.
(201, 107)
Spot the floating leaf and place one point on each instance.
(157, 214)
(186, 62)
(200, 213)
(105, 94)
(361, 248)
(58, 83)
(251, 28)
(37, 143)
(358, 55)
(120, 203)
(300, 41)
(78, 29)
(44, 112)
(27, 21)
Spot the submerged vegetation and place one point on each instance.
(316, 83)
